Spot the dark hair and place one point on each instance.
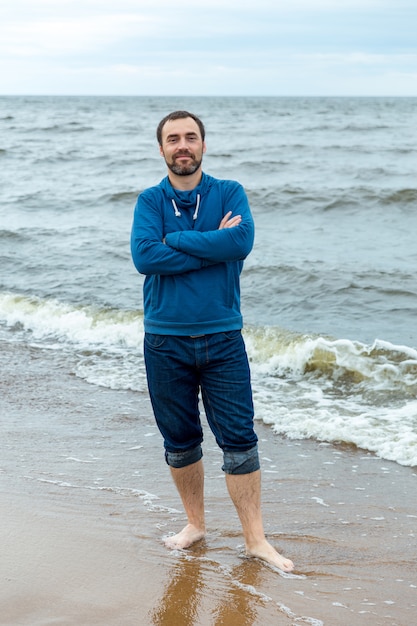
(179, 115)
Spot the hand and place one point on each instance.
(229, 222)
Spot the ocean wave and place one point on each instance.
(350, 365)
(363, 128)
(304, 386)
(11, 235)
(264, 200)
(69, 127)
(337, 391)
(51, 321)
(125, 197)
(400, 196)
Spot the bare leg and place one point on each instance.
(189, 481)
(245, 491)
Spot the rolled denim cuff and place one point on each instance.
(241, 462)
(183, 458)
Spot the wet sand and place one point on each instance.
(86, 498)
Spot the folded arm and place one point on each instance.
(154, 252)
(231, 241)
(149, 253)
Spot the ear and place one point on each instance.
(161, 152)
(204, 147)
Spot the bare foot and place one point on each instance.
(184, 539)
(267, 553)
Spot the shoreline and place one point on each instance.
(86, 499)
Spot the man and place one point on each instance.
(190, 236)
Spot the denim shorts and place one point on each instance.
(178, 368)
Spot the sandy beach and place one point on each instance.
(86, 498)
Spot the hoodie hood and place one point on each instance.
(189, 200)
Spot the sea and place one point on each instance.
(329, 292)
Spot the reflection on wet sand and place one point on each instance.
(200, 588)
(182, 595)
(239, 605)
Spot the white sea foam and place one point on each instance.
(313, 387)
(107, 342)
(89, 327)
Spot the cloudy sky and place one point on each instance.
(209, 47)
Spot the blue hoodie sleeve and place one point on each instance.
(150, 255)
(227, 244)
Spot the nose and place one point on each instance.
(183, 143)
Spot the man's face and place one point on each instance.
(182, 146)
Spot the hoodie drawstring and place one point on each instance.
(197, 206)
(178, 212)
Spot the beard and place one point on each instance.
(182, 169)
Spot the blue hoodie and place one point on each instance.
(192, 268)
